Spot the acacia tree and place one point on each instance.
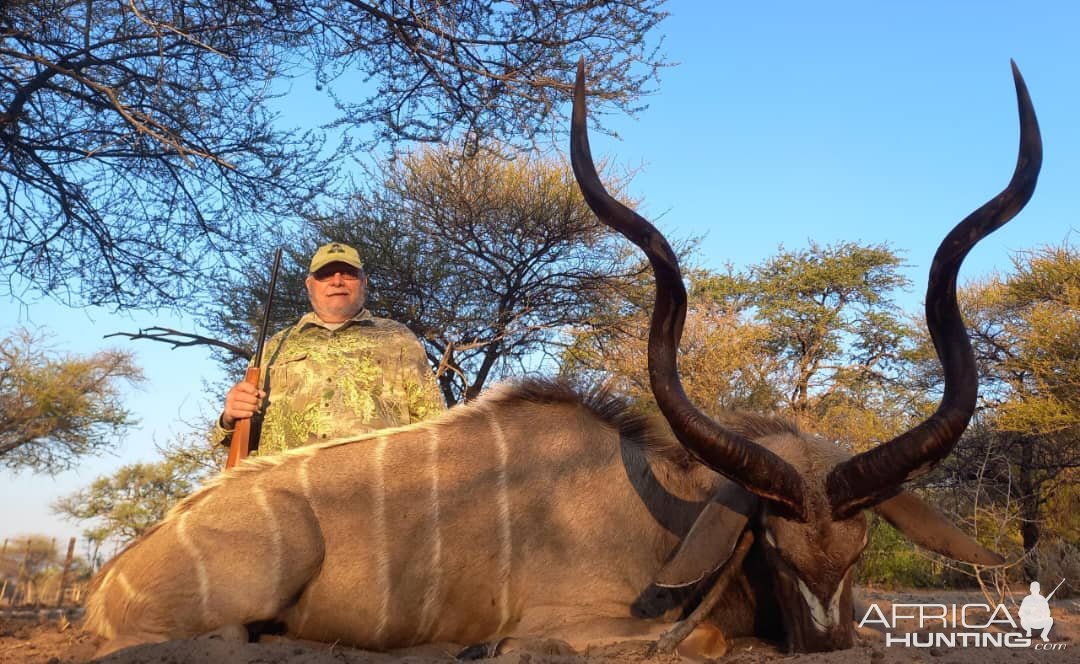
(812, 334)
(54, 408)
(138, 148)
(832, 319)
(722, 356)
(490, 261)
(27, 563)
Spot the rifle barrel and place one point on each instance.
(1054, 590)
(266, 311)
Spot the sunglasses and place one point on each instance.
(327, 273)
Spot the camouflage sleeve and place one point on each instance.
(219, 435)
(421, 389)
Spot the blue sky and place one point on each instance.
(782, 122)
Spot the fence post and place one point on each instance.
(64, 574)
(24, 576)
(3, 554)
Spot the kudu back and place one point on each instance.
(543, 514)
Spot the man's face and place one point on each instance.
(337, 292)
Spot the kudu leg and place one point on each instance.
(222, 567)
(670, 640)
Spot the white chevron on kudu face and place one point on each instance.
(823, 618)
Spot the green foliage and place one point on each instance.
(57, 408)
(125, 504)
(1026, 331)
(1043, 298)
(831, 317)
(814, 334)
(891, 561)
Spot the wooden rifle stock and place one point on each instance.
(240, 445)
(243, 443)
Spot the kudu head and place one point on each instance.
(800, 496)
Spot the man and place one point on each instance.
(337, 372)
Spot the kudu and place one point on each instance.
(539, 513)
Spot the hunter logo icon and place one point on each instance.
(1035, 611)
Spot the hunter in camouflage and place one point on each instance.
(339, 371)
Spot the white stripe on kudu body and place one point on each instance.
(304, 478)
(505, 534)
(128, 593)
(277, 544)
(381, 542)
(202, 579)
(430, 611)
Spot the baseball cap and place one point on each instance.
(335, 252)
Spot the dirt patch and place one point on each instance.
(59, 642)
(44, 642)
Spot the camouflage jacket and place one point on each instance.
(370, 373)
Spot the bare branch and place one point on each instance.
(178, 339)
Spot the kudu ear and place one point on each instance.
(711, 539)
(925, 526)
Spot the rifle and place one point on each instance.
(1054, 590)
(242, 442)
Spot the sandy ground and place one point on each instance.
(59, 642)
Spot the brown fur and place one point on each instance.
(599, 432)
(599, 496)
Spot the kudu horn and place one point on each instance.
(741, 460)
(872, 476)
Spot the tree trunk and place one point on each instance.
(1029, 509)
